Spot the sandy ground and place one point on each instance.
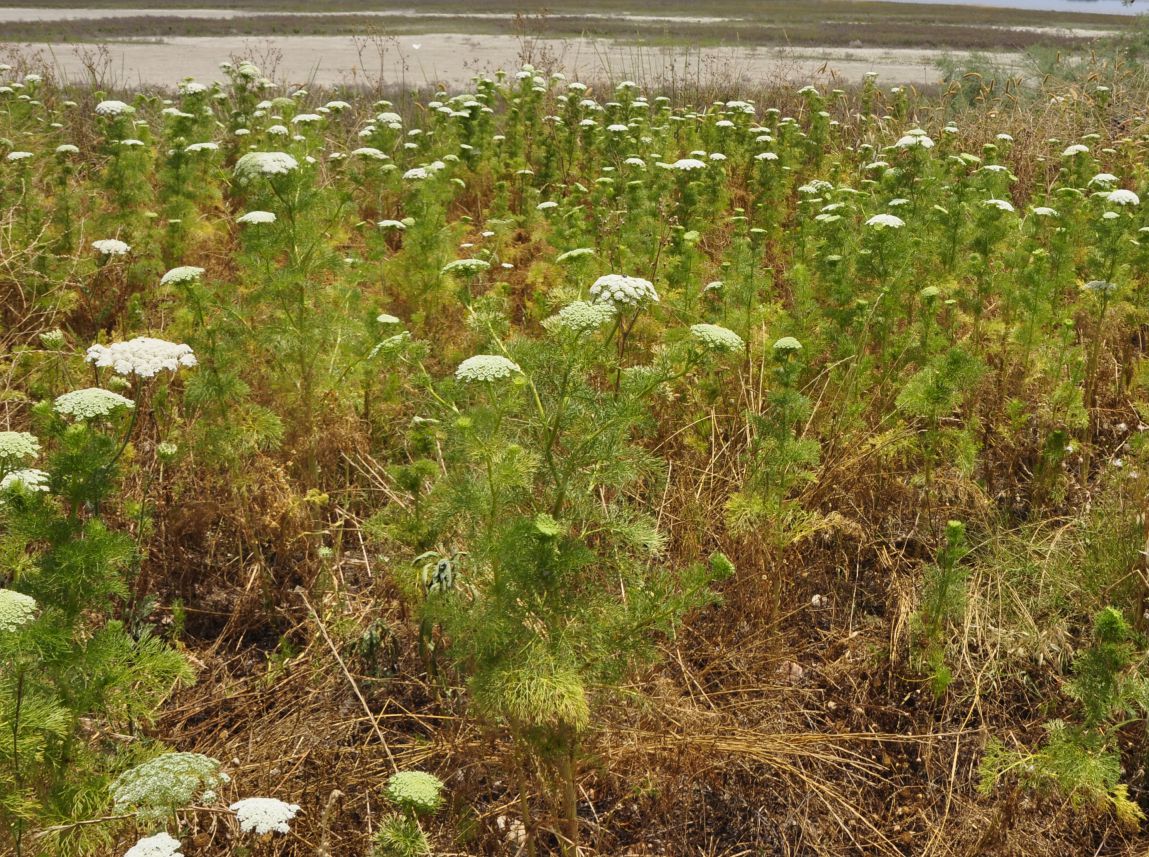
(29, 13)
(451, 60)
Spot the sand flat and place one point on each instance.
(451, 60)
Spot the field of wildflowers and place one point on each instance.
(555, 468)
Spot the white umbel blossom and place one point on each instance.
(370, 153)
(999, 204)
(67, 149)
(717, 338)
(29, 479)
(885, 221)
(111, 247)
(18, 446)
(255, 218)
(261, 815)
(16, 609)
(915, 140)
(687, 165)
(89, 403)
(466, 267)
(144, 356)
(160, 845)
(1075, 149)
(255, 164)
(620, 290)
(166, 783)
(182, 274)
(582, 317)
(12, 157)
(113, 108)
(1045, 211)
(1121, 196)
(486, 367)
(392, 224)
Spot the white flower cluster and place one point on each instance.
(172, 781)
(582, 317)
(113, 108)
(686, 165)
(16, 609)
(256, 164)
(144, 356)
(182, 274)
(262, 815)
(29, 479)
(999, 204)
(886, 221)
(90, 403)
(787, 345)
(466, 267)
(1121, 196)
(915, 139)
(717, 338)
(621, 290)
(160, 845)
(111, 247)
(18, 446)
(486, 367)
(255, 218)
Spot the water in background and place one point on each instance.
(1107, 7)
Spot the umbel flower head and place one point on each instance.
(256, 218)
(144, 356)
(486, 367)
(885, 221)
(581, 317)
(16, 610)
(717, 338)
(113, 108)
(111, 247)
(256, 164)
(261, 815)
(415, 790)
(182, 274)
(28, 480)
(620, 290)
(686, 165)
(160, 845)
(17, 446)
(466, 267)
(787, 345)
(90, 403)
(169, 782)
(1121, 196)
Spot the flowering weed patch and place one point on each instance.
(556, 468)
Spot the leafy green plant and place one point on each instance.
(1082, 759)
